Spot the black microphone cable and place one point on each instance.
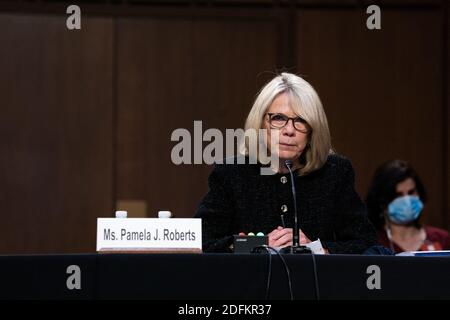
(269, 273)
(316, 277)
(269, 267)
(288, 274)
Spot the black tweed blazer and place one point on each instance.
(241, 200)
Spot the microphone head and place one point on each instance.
(288, 163)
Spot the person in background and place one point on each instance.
(395, 200)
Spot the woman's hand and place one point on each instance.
(282, 237)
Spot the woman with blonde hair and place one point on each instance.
(241, 199)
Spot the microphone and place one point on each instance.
(296, 248)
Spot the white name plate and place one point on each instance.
(149, 234)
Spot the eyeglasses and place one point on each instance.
(279, 120)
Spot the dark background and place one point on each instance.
(86, 115)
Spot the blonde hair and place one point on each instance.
(305, 102)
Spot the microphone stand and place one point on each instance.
(296, 248)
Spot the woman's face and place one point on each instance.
(292, 141)
(404, 209)
(406, 187)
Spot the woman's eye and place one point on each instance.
(278, 117)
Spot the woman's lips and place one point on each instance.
(287, 145)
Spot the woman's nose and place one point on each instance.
(289, 128)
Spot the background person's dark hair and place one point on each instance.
(382, 190)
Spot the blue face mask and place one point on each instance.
(405, 209)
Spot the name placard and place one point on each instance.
(149, 234)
